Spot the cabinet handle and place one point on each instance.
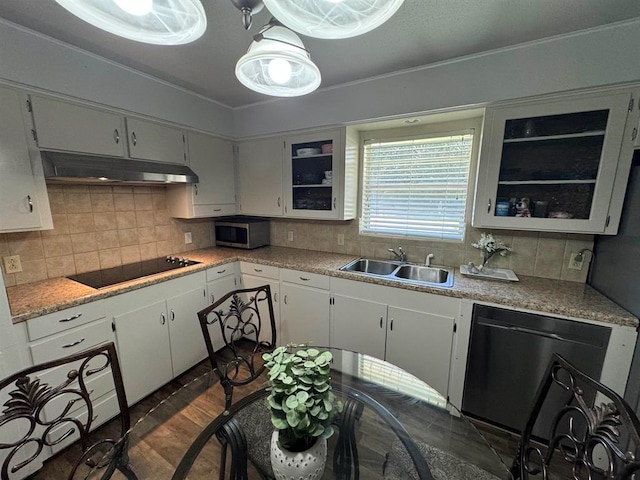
(380, 322)
(30, 203)
(285, 299)
(334, 203)
(304, 279)
(391, 327)
(173, 316)
(94, 418)
(259, 270)
(73, 344)
(213, 298)
(489, 206)
(217, 209)
(69, 319)
(195, 187)
(134, 139)
(278, 201)
(116, 135)
(275, 297)
(222, 271)
(163, 319)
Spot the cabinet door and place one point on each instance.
(75, 128)
(185, 334)
(18, 197)
(216, 289)
(551, 166)
(431, 335)
(153, 141)
(304, 315)
(313, 175)
(249, 281)
(143, 350)
(259, 167)
(359, 325)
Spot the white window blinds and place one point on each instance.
(416, 187)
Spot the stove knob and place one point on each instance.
(171, 259)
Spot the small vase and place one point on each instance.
(486, 256)
(307, 465)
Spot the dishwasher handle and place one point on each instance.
(532, 331)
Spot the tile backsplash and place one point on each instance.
(537, 254)
(101, 227)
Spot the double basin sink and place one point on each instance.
(401, 272)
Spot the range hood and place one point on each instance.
(71, 167)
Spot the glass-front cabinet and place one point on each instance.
(551, 166)
(320, 169)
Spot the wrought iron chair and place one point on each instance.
(595, 433)
(239, 318)
(37, 414)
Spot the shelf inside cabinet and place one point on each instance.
(314, 185)
(544, 182)
(598, 133)
(318, 155)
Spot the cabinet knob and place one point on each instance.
(163, 319)
(391, 326)
(134, 139)
(489, 206)
(380, 322)
(116, 135)
(285, 299)
(30, 203)
(173, 316)
(278, 201)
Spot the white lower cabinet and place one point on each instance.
(220, 281)
(255, 275)
(157, 333)
(412, 330)
(304, 311)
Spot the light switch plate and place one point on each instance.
(341, 239)
(12, 264)
(187, 237)
(290, 236)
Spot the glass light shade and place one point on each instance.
(278, 65)
(167, 22)
(333, 18)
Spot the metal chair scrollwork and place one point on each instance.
(595, 434)
(245, 335)
(36, 415)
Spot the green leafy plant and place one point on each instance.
(301, 399)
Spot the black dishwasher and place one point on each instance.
(508, 354)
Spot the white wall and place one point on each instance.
(35, 60)
(592, 58)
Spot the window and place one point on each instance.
(417, 187)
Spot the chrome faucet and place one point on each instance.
(401, 256)
(427, 261)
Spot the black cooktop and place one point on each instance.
(130, 271)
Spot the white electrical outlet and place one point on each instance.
(341, 239)
(187, 237)
(290, 236)
(575, 261)
(12, 264)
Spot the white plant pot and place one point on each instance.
(307, 465)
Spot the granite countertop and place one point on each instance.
(558, 297)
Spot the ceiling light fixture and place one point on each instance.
(278, 64)
(333, 18)
(160, 22)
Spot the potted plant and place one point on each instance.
(302, 407)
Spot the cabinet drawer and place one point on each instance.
(70, 342)
(220, 271)
(258, 270)
(104, 409)
(64, 320)
(305, 278)
(214, 210)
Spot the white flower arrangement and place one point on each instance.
(489, 246)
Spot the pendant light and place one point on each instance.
(333, 18)
(278, 64)
(160, 22)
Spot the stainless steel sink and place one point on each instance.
(376, 267)
(421, 273)
(401, 272)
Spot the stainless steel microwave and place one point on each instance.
(242, 232)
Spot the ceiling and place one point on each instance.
(422, 32)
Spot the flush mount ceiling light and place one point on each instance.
(160, 22)
(333, 18)
(278, 64)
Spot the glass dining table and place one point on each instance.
(393, 426)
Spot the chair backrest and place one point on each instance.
(594, 434)
(36, 414)
(244, 333)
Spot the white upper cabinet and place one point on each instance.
(154, 141)
(65, 126)
(259, 182)
(215, 195)
(23, 197)
(320, 176)
(554, 165)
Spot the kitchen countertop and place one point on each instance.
(558, 297)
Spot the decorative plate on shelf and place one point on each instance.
(491, 273)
